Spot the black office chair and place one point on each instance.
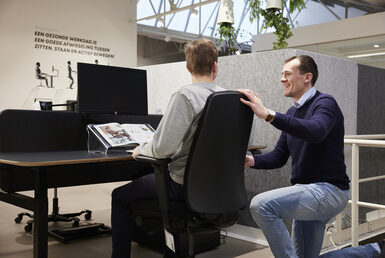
(213, 184)
(34, 131)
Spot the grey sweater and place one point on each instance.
(174, 135)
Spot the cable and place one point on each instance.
(329, 234)
(223, 237)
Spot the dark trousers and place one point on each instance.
(121, 217)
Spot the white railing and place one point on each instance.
(357, 141)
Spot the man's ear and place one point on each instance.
(214, 69)
(308, 77)
(188, 68)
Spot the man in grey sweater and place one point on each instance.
(172, 139)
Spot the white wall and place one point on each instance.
(105, 23)
(162, 81)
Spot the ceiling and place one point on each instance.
(376, 5)
(353, 48)
(369, 6)
(345, 48)
(372, 48)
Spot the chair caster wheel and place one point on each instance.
(75, 223)
(18, 219)
(28, 228)
(88, 215)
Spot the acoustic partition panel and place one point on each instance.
(359, 90)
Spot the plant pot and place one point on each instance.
(273, 4)
(226, 13)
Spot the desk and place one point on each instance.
(41, 165)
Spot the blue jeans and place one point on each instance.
(365, 251)
(310, 206)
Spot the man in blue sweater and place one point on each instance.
(313, 135)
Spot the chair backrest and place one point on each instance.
(214, 175)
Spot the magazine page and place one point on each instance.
(115, 134)
(142, 133)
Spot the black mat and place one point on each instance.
(66, 234)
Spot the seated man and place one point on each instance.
(172, 139)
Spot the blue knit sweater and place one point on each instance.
(313, 135)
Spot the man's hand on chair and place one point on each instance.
(249, 161)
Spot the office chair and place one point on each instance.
(39, 131)
(214, 186)
(55, 216)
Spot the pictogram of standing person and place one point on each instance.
(70, 71)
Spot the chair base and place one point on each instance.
(55, 216)
(150, 233)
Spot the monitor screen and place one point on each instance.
(42, 104)
(111, 90)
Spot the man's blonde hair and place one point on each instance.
(200, 56)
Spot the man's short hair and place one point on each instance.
(306, 65)
(201, 54)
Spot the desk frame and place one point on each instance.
(39, 204)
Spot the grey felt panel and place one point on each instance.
(359, 90)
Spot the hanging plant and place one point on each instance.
(273, 18)
(227, 38)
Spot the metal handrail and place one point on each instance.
(357, 141)
(366, 136)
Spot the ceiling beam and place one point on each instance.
(176, 10)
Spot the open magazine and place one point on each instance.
(121, 136)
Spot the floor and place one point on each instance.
(16, 243)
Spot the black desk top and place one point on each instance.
(54, 158)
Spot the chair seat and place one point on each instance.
(179, 214)
(149, 230)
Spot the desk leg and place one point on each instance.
(40, 227)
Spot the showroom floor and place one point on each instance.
(16, 243)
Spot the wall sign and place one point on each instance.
(67, 44)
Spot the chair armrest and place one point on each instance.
(152, 160)
(161, 176)
(256, 149)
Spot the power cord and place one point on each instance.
(223, 237)
(329, 233)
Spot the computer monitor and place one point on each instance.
(111, 90)
(42, 104)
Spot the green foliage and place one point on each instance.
(296, 5)
(255, 9)
(227, 38)
(274, 19)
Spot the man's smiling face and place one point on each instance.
(295, 84)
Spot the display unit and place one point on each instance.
(111, 90)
